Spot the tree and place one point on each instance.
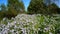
(36, 6)
(15, 7)
(53, 8)
(58, 10)
(3, 8)
(48, 2)
(42, 7)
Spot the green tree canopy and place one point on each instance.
(39, 6)
(15, 7)
(53, 8)
(36, 6)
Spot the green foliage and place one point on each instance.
(36, 6)
(1, 15)
(41, 25)
(58, 10)
(2, 11)
(41, 7)
(49, 22)
(3, 8)
(13, 8)
(15, 5)
(52, 8)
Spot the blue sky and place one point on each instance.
(58, 3)
(3, 1)
(26, 2)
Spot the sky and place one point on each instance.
(3, 2)
(26, 3)
(58, 3)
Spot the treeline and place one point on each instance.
(13, 8)
(43, 7)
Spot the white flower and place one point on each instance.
(4, 19)
(12, 30)
(14, 22)
(47, 28)
(50, 33)
(15, 26)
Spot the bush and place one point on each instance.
(31, 24)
